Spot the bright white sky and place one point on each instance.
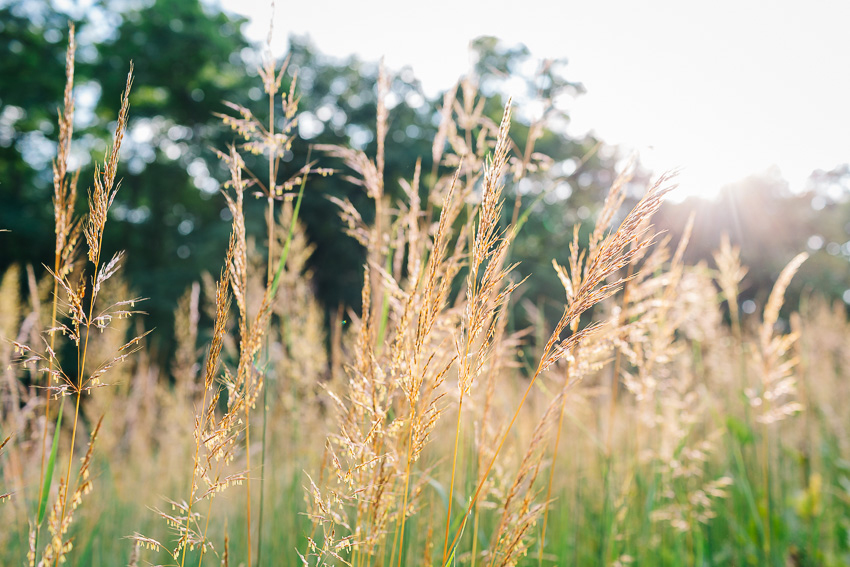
(719, 89)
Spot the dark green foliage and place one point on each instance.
(190, 58)
(771, 224)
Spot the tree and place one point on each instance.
(168, 214)
(771, 225)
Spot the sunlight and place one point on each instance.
(459, 320)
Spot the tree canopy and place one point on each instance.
(189, 58)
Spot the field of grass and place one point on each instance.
(652, 424)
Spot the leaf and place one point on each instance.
(51, 462)
(441, 492)
(740, 430)
(285, 253)
(459, 523)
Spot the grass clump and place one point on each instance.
(647, 430)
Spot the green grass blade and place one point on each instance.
(458, 524)
(285, 253)
(275, 283)
(51, 462)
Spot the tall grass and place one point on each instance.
(75, 298)
(658, 425)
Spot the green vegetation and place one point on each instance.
(452, 410)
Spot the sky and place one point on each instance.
(719, 90)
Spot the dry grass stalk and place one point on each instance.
(186, 318)
(247, 383)
(672, 403)
(373, 456)
(105, 188)
(7, 495)
(485, 293)
(61, 515)
(100, 200)
(67, 228)
(471, 133)
(369, 388)
(487, 428)
(260, 139)
(579, 364)
(215, 440)
(11, 310)
(571, 280)
(439, 144)
(245, 387)
(773, 400)
(218, 435)
(81, 310)
(585, 291)
(519, 510)
(730, 274)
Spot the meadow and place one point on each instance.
(652, 423)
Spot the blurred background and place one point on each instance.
(750, 104)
